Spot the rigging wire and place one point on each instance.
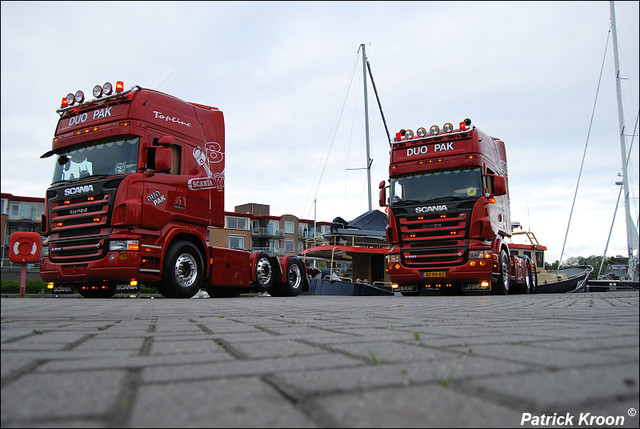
(618, 202)
(329, 145)
(585, 148)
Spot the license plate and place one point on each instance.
(62, 289)
(428, 274)
(407, 288)
(475, 286)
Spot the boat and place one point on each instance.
(350, 259)
(564, 280)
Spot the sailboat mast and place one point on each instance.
(632, 238)
(366, 122)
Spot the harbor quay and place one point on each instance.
(538, 360)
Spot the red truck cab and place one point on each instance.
(448, 212)
(138, 180)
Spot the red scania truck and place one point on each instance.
(448, 213)
(138, 180)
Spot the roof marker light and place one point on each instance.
(434, 129)
(79, 96)
(448, 127)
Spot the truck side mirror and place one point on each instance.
(382, 197)
(499, 185)
(163, 159)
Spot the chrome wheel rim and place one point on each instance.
(186, 270)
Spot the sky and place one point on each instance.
(288, 77)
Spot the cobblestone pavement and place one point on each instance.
(322, 361)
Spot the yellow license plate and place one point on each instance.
(428, 274)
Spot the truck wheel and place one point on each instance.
(183, 271)
(502, 285)
(97, 293)
(263, 273)
(294, 282)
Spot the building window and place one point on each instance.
(236, 242)
(289, 246)
(289, 227)
(237, 223)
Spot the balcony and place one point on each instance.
(267, 232)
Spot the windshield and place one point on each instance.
(437, 185)
(106, 157)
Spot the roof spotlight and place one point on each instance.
(70, 99)
(448, 127)
(97, 91)
(79, 96)
(408, 134)
(434, 129)
(422, 131)
(107, 88)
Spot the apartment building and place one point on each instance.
(251, 227)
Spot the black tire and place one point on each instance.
(501, 287)
(264, 273)
(97, 293)
(224, 292)
(295, 280)
(183, 271)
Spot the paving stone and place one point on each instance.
(318, 361)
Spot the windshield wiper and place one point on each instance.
(93, 176)
(403, 202)
(60, 181)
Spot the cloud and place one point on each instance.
(526, 72)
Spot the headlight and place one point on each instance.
(479, 254)
(44, 252)
(392, 259)
(122, 245)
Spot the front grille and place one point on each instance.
(79, 226)
(434, 240)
